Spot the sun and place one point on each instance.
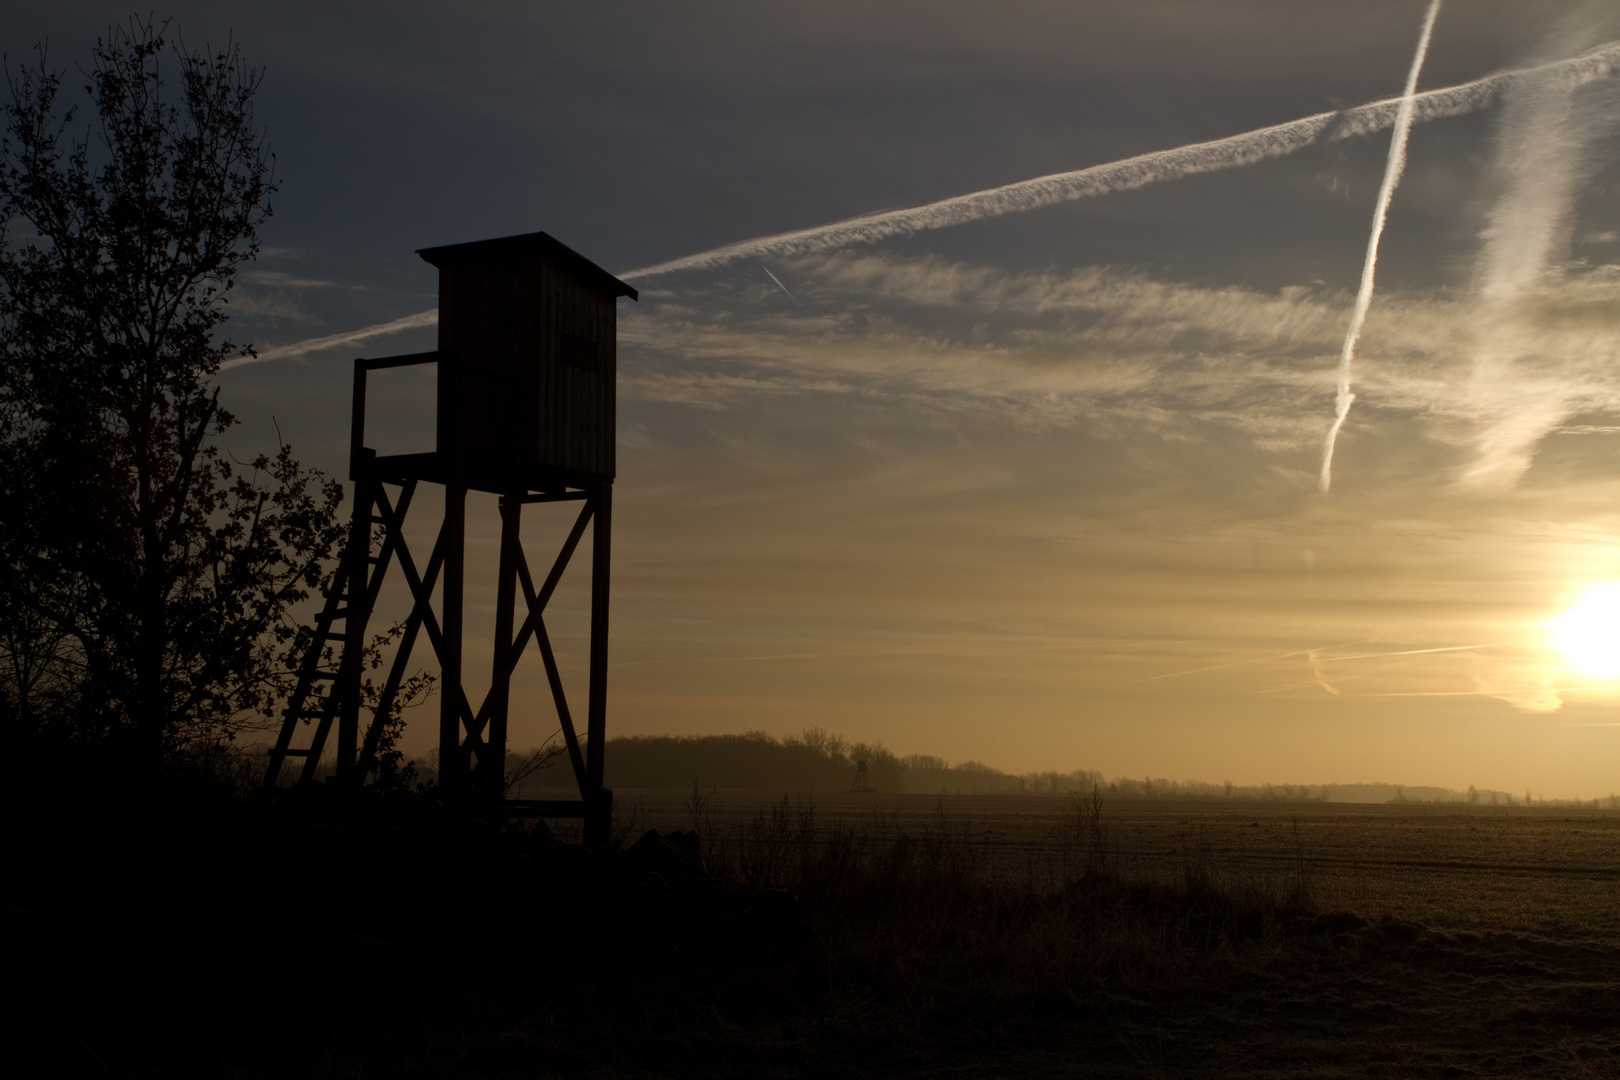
(1588, 634)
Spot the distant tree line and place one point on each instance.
(820, 761)
(814, 761)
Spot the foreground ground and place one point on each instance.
(1447, 940)
(851, 935)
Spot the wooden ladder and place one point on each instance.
(325, 694)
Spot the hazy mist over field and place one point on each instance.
(1039, 489)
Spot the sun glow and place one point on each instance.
(1588, 634)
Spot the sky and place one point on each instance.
(1041, 488)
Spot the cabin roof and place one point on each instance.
(543, 243)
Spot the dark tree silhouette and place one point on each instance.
(148, 579)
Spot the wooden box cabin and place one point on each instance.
(526, 366)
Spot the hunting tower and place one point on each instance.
(525, 411)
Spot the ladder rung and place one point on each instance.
(289, 752)
(323, 674)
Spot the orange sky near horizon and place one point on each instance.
(1040, 489)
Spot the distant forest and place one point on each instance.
(819, 761)
(814, 761)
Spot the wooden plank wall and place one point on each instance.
(506, 317)
(576, 428)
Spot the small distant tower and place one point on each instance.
(860, 777)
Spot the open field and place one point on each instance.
(1530, 869)
(1437, 941)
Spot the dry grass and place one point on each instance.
(819, 944)
(938, 904)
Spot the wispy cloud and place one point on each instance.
(1517, 391)
(1122, 349)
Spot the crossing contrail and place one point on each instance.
(1160, 165)
(1231, 152)
(1392, 176)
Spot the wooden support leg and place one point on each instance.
(452, 755)
(599, 811)
(492, 770)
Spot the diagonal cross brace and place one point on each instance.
(420, 610)
(564, 718)
(423, 597)
(534, 626)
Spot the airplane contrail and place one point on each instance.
(778, 281)
(1412, 652)
(1315, 658)
(1231, 152)
(331, 341)
(1393, 168)
(1238, 663)
(1269, 142)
